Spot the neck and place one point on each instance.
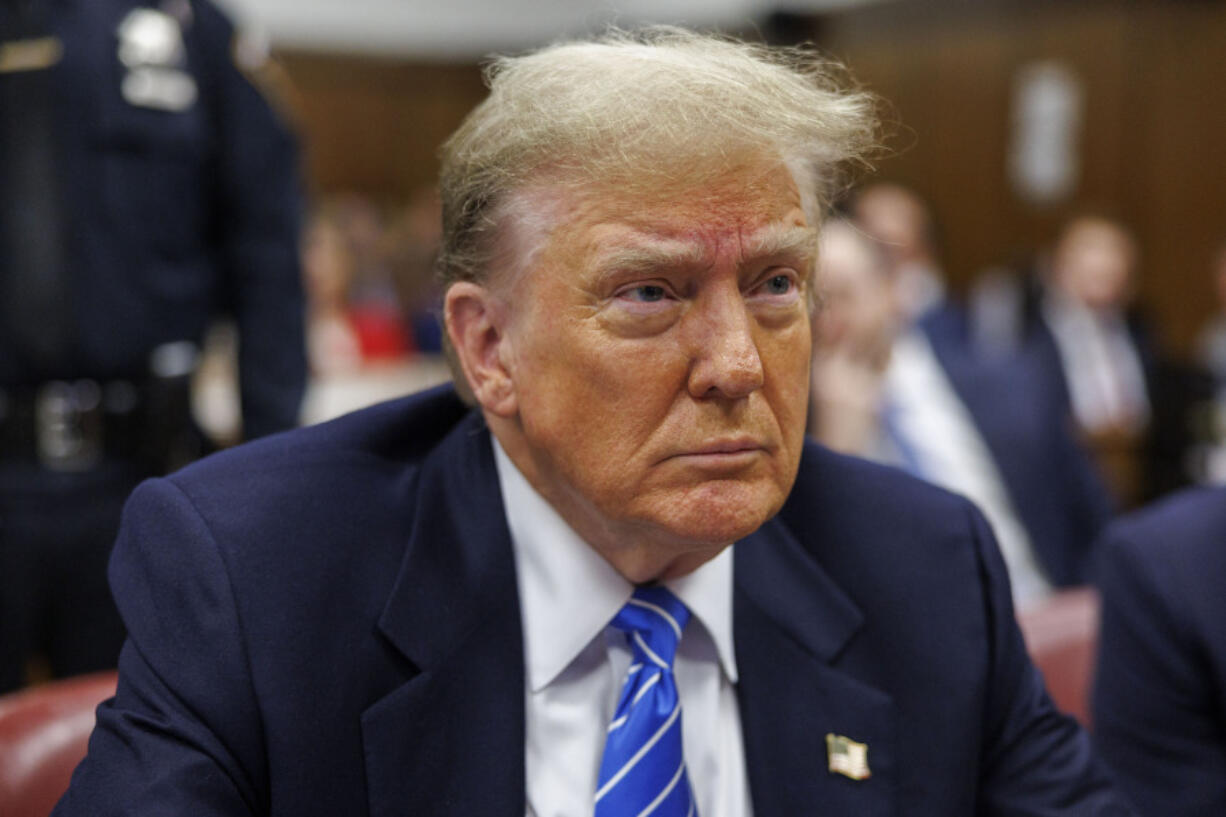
(640, 565)
(638, 551)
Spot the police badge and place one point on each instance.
(151, 48)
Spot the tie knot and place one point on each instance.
(653, 620)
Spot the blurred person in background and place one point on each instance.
(354, 307)
(894, 392)
(1159, 700)
(1138, 410)
(412, 243)
(1002, 305)
(1136, 406)
(371, 297)
(328, 267)
(373, 328)
(145, 187)
(855, 328)
(902, 224)
(1103, 353)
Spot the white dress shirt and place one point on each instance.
(575, 663)
(946, 448)
(1101, 365)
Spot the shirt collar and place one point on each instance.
(568, 593)
(1067, 314)
(707, 592)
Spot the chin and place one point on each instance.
(717, 513)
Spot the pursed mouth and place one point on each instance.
(723, 449)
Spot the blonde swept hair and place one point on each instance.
(648, 108)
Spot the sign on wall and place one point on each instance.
(1044, 151)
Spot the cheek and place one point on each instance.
(788, 392)
(596, 399)
(786, 357)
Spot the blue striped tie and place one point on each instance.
(643, 771)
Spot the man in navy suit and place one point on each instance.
(1160, 692)
(428, 609)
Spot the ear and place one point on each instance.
(475, 318)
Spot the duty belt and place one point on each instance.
(72, 425)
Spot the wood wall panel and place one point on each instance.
(1182, 180)
(374, 125)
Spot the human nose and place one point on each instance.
(725, 360)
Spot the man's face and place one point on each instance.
(658, 347)
(1094, 264)
(859, 315)
(896, 219)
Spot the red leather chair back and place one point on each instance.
(1061, 636)
(44, 731)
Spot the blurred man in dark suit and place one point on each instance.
(1160, 694)
(145, 187)
(618, 582)
(1101, 355)
(1138, 408)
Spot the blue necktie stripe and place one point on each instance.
(642, 771)
(651, 777)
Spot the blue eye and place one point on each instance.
(778, 285)
(648, 293)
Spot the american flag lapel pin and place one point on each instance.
(847, 757)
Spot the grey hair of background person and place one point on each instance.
(642, 110)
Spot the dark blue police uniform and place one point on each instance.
(148, 187)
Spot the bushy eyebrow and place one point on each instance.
(782, 241)
(651, 255)
(774, 240)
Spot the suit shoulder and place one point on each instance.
(1185, 523)
(847, 487)
(361, 462)
(1174, 544)
(918, 561)
(330, 504)
(863, 520)
(400, 431)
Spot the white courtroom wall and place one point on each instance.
(468, 29)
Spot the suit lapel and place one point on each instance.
(791, 626)
(451, 739)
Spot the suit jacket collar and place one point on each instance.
(451, 738)
(781, 582)
(460, 541)
(792, 625)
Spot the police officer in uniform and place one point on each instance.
(145, 187)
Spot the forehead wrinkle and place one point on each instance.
(646, 253)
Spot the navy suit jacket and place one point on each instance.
(326, 622)
(1160, 695)
(1022, 415)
